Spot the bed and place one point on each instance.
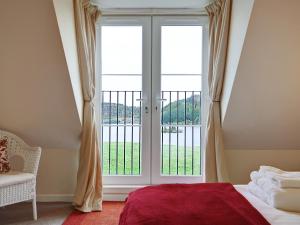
(200, 204)
(274, 216)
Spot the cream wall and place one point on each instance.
(242, 161)
(36, 97)
(57, 175)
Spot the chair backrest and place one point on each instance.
(22, 154)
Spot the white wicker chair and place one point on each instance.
(19, 184)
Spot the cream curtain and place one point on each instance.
(88, 194)
(219, 21)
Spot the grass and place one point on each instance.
(190, 166)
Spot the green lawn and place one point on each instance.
(192, 167)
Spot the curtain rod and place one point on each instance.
(154, 11)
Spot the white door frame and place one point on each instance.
(150, 168)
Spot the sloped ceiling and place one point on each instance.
(264, 107)
(36, 97)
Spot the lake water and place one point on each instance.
(166, 136)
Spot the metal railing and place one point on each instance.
(181, 155)
(180, 132)
(121, 155)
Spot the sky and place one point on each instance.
(181, 58)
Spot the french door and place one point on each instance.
(151, 71)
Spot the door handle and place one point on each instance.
(159, 100)
(146, 108)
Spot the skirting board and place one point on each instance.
(54, 198)
(69, 197)
(110, 193)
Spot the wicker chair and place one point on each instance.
(19, 184)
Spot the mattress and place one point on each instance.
(274, 216)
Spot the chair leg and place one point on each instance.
(34, 208)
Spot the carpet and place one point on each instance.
(108, 216)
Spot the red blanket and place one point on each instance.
(189, 204)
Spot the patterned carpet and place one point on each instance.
(109, 215)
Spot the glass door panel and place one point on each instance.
(125, 119)
(181, 49)
(177, 90)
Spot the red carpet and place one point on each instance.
(109, 215)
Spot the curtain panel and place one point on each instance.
(88, 193)
(219, 20)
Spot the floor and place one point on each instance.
(48, 214)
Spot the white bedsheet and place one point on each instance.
(274, 216)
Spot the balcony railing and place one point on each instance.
(180, 132)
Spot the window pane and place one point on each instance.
(121, 49)
(181, 49)
(122, 83)
(174, 83)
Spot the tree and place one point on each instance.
(188, 111)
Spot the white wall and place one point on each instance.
(240, 16)
(64, 11)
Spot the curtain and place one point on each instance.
(219, 21)
(88, 193)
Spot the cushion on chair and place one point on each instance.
(15, 177)
(4, 163)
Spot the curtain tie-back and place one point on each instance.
(91, 102)
(214, 100)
